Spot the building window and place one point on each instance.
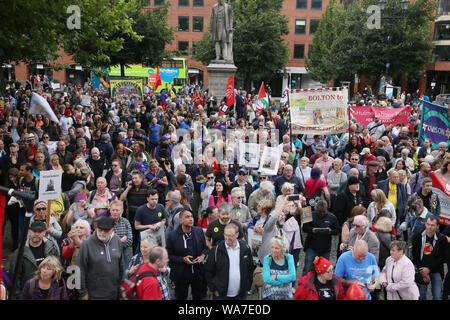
(299, 51)
(441, 53)
(183, 3)
(442, 31)
(198, 3)
(444, 7)
(301, 4)
(197, 24)
(296, 81)
(183, 47)
(183, 24)
(313, 24)
(159, 3)
(300, 26)
(316, 4)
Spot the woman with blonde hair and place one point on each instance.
(379, 203)
(80, 231)
(47, 283)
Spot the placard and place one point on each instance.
(270, 161)
(158, 236)
(50, 184)
(85, 100)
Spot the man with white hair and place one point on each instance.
(361, 231)
(358, 266)
(264, 192)
(239, 211)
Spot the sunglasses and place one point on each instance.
(356, 159)
(210, 178)
(41, 209)
(262, 178)
(44, 137)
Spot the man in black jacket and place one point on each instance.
(229, 267)
(429, 253)
(347, 199)
(319, 231)
(187, 249)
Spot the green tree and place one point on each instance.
(204, 50)
(153, 35)
(343, 44)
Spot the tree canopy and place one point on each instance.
(343, 44)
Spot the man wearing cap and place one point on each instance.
(325, 162)
(376, 127)
(66, 122)
(31, 147)
(36, 249)
(370, 181)
(347, 199)
(242, 183)
(367, 157)
(101, 263)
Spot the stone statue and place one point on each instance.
(221, 24)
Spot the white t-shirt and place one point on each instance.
(65, 123)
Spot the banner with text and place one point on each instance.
(126, 88)
(442, 189)
(319, 111)
(434, 124)
(365, 115)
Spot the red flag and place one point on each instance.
(230, 91)
(158, 78)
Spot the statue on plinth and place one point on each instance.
(221, 25)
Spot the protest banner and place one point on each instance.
(319, 111)
(365, 115)
(270, 161)
(442, 189)
(126, 88)
(434, 124)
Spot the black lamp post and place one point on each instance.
(391, 17)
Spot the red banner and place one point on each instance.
(365, 115)
(442, 188)
(230, 91)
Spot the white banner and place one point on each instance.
(270, 161)
(85, 100)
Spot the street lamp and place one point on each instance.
(391, 17)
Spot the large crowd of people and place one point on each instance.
(153, 190)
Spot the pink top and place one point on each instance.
(220, 200)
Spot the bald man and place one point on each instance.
(358, 266)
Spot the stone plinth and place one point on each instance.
(219, 73)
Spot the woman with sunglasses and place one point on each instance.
(320, 283)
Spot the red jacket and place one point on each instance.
(307, 290)
(148, 288)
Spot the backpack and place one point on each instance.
(128, 289)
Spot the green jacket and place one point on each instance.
(29, 267)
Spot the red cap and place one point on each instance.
(78, 117)
(321, 265)
(68, 111)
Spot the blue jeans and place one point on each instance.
(310, 255)
(436, 287)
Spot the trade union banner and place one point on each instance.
(319, 111)
(126, 87)
(365, 115)
(434, 124)
(441, 187)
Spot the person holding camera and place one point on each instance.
(324, 224)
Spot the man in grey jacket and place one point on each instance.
(36, 249)
(101, 264)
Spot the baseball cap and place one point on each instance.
(68, 111)
(373, 164)
(38, 225)
(365, 151)
(243, 170)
